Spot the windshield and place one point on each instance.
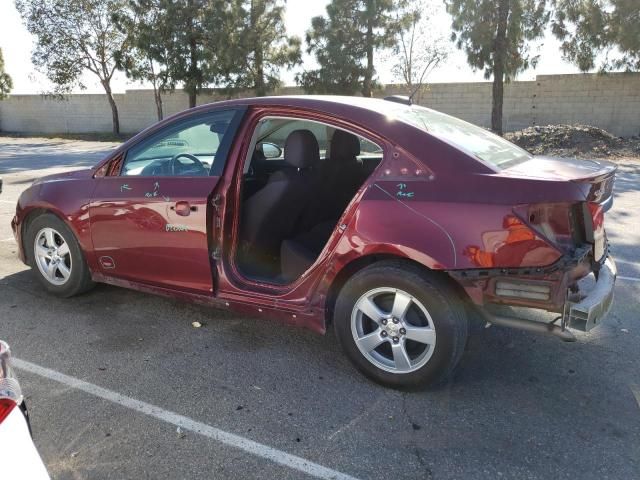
(480, 142)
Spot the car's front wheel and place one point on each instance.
(56, 257)
(400, 325)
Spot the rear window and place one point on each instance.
(485, 145)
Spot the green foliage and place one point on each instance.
(589, 28)
(344, 43)
(476, 28)
(149, 41)
(6, 84)
(74, 36)
(495, 36)
(260, 46)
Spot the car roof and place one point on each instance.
(332, 104)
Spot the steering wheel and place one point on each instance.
(176, 167)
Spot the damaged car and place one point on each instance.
(400, 226)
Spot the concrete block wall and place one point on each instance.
(610, 101)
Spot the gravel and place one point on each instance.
(582, 141)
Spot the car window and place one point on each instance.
(187, 148)
(276, 130)
(480, 142)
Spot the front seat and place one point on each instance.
(270, 214)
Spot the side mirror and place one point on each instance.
(271, 150)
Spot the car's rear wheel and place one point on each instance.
(56, 257)
(400, 325)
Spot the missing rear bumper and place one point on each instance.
(588, 311)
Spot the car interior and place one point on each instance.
(298, 180)
(189, 150)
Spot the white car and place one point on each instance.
(19, 458)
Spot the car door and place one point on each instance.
(149, 220)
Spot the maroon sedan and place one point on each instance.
(401, 226)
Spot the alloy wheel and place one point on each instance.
(52, 255)
(393, 330)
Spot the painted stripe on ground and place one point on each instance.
(8, 201)
(236, 441)
(626, 262)
(631, 279)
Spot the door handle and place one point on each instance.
(183, 209)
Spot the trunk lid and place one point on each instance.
(584, 220)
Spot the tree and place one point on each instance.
(149, 41)
(345, 41)
(418, 50)
(74, 36)
(262, 46)
(6, 84)
(589, 28)
(495, 37)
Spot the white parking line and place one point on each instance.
(8, 201)
(631, 279)
(626, 262)
(236, 441)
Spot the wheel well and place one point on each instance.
(31, 216)
(362, 262)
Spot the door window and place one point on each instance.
(188, 148)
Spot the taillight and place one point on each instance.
(10, 392)
(552, 221)
(6, 407)
(597, 215)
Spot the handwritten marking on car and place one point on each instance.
(125, 187)
(453, 245)
(155, 192)
(401, 193)
(185, 423)
(176, 228)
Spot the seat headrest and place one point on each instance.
(301, 150)
(344, 145)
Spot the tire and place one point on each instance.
(432, 332)
(62, 270)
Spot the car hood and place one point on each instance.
(550, 168)
(73, 175)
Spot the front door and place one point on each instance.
(150, 223)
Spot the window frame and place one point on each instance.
(222, 153)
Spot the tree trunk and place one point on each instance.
(114, 107)
(499, 56)
(367, 84)
(193, 82)
(257, 9)
(158, 98)
(156, 92)
(260, 87)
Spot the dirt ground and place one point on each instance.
(580, 141)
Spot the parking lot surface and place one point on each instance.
(120, 385)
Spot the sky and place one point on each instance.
(16, 44)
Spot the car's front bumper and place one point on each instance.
(586, 311)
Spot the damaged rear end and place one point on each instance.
(579, 285)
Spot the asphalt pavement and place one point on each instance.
(120, 385)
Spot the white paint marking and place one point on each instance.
(627, 262)
(636, 392)
(631, 279)
(9, 239)
(8, 201)
(236, 441)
